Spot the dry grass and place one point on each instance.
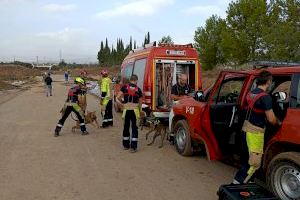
(9, 74)
(12, 73)
(92, 71)
(209, 78)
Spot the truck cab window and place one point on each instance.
(295, 92)
(139, 70)
(280, 84)
(229, 91)
(127, 72)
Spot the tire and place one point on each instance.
(283, 175)
(182, 138)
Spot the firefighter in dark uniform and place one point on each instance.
(259, 112)
(72, 105)
(105, 85)
(131, 100)
(181, 89)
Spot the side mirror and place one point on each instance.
(199, 96)
(280, 96)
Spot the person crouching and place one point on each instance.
(72, 105)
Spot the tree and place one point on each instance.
(166, 40)
(130, 44)
(62, 63)
(207, 42)
(147, 39)
(100, 56)
(282, 36)
(242, 38)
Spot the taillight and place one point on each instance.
(147, 97)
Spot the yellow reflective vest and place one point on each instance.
(105, 87)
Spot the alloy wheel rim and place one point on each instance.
(181, 138)
(287, 182)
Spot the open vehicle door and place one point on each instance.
(222, 121)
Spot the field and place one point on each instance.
(11, 75)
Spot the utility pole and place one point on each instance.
(37, 60)
(60, 55)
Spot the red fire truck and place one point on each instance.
(215, 123)
(157, 68)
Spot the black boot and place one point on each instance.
(56, 132)
(84, 133)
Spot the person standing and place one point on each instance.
(66, 76)
(48, 82)
(259, 112)
(72, 105)
(131, 95)
(82, 97)
(106, 100)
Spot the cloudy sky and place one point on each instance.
(43, 28)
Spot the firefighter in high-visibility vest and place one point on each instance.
(130, 97)
(258, 113)
(82, 96)
(72, 105)
(105, 85)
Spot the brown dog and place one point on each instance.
(160, 130)
(90, 118)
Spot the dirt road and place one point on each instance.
(36, 165)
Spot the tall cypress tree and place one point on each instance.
(130, 43)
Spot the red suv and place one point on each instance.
(215, 122)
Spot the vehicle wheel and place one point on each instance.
(183, 138)
(283, 175)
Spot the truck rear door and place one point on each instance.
(223, 111)
(166, 73)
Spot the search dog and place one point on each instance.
(157, 126)
(89, 118)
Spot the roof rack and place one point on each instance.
(266, 64)
(153, 44)
(190, 45)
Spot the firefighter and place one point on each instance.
(259, 112)
(82, 96)
(105, 85)
(181, 89)
(131, 101)
(72, 105)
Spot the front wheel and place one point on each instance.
(183, 138)
(283, 176)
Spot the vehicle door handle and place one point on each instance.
(232, 116)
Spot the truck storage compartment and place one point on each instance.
(167, 73)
